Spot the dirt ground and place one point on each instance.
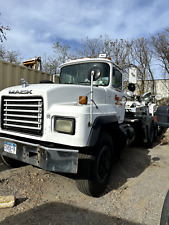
(135, 194)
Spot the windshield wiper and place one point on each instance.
(84, 82)
(67, 83)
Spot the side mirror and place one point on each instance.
(95, 72)
(131, 87)
(146, 97)
(159, 97)
(133, 75)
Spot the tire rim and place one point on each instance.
(103, 164)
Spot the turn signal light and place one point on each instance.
(155, 118)
(83, 100)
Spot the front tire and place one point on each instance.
(95, 168)
(11, 162)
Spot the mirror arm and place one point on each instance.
(91, 100)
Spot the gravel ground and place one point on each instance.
(135, 194)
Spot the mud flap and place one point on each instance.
(162, 116)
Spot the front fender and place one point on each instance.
(98, 124)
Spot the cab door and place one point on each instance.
(116, 94)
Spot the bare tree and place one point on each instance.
(91, 47)
(160, 43)
(2, 32)
(2, 52)
(50, 65)
(118, 50)
(120, 53)
(13, 57)
(142, 56)
(62, 52)
(10, 55)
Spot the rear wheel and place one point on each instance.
(95, 168)
(150, 135)
(155, 132)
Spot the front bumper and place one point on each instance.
(51, 159)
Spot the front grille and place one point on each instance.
(23, 114)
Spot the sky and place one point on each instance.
(37, 25)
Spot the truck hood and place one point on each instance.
(58, 93)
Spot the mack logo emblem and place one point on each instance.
(20, 92)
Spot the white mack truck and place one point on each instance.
(77, 126)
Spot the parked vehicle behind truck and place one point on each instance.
(77, 126)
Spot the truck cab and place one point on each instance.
(109, 81)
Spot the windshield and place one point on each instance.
(81, 74)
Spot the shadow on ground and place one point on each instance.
(3, 167)
(62, 214)
(133, 162)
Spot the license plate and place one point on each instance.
(10, 147)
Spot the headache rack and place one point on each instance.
(22, 114)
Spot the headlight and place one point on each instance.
(64, 125)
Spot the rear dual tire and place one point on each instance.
(152, 134)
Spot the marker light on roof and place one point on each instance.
(102, 55)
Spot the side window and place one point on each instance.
(117, 79)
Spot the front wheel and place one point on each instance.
(11, 162)
(95, 168)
